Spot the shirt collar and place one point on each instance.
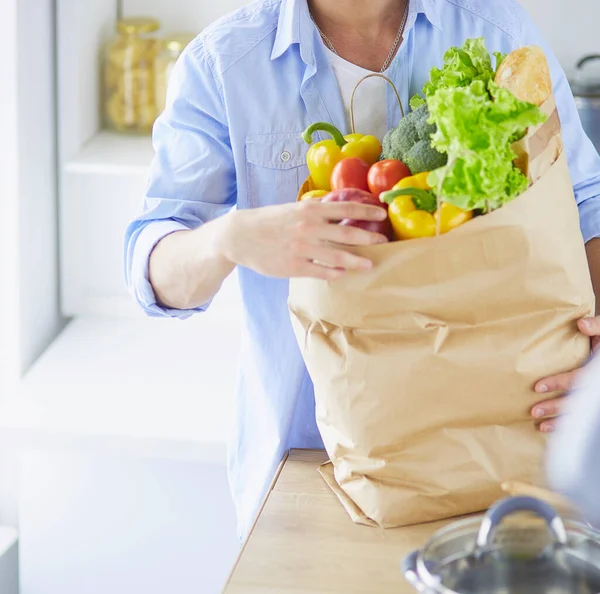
(295, 25)
(429, 8)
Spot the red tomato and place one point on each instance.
(350, 173)
(384, 175)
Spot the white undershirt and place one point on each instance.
(370, 104)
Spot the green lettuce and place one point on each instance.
(462, 66)
(500, 57)
(476, 125)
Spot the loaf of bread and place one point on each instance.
(526, 74)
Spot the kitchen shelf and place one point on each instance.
(111, 153)
(144, 387)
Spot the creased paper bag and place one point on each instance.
(424, 366)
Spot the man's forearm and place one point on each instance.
(593, 255)
(186, 268)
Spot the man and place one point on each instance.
(230, 136)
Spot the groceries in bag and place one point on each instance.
(457, 142)
(424, 366)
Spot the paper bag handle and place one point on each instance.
(363, 79)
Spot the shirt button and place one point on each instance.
(286, 156)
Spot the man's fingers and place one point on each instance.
(338, 211)
(562, 382)
(548, 426)
(548, 408)
(347, 235)
(313, 270)
(589, 326)
(337, 258)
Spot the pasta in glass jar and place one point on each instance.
(129, 90)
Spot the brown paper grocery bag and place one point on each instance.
(541, 146)
(424, 366)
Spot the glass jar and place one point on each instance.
(129, 103)
(170, 49)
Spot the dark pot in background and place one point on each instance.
(586, 89)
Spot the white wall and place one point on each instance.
(29, 312)
(181, 15)
(8, 196)
(570, 26)
(40, 320)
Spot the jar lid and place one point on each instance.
(524, 555)
(178, 41)
(137, 25)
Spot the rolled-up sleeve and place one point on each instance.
(583, 158)
(192, 176)
(584, 162)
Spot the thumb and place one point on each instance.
(589, 326)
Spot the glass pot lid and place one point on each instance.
(521, 546)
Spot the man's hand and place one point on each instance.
(300, 239)
(547, 410)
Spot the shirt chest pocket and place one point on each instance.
(276, 168)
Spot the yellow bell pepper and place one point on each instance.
(323, 156)
(365, 147)
(413, 210)
(418, 181)
(408, 222)
(450, 217)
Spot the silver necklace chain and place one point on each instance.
(392, 53)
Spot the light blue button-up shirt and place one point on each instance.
(239, 98)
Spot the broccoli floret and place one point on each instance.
(424, 129)
(423, 157)
(399, 140)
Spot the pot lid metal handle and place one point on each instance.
(411, 573)
(513, 505)
(586, 60)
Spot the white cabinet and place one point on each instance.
(97, 524)
(121, 428)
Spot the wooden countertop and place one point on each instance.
(304, 542)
